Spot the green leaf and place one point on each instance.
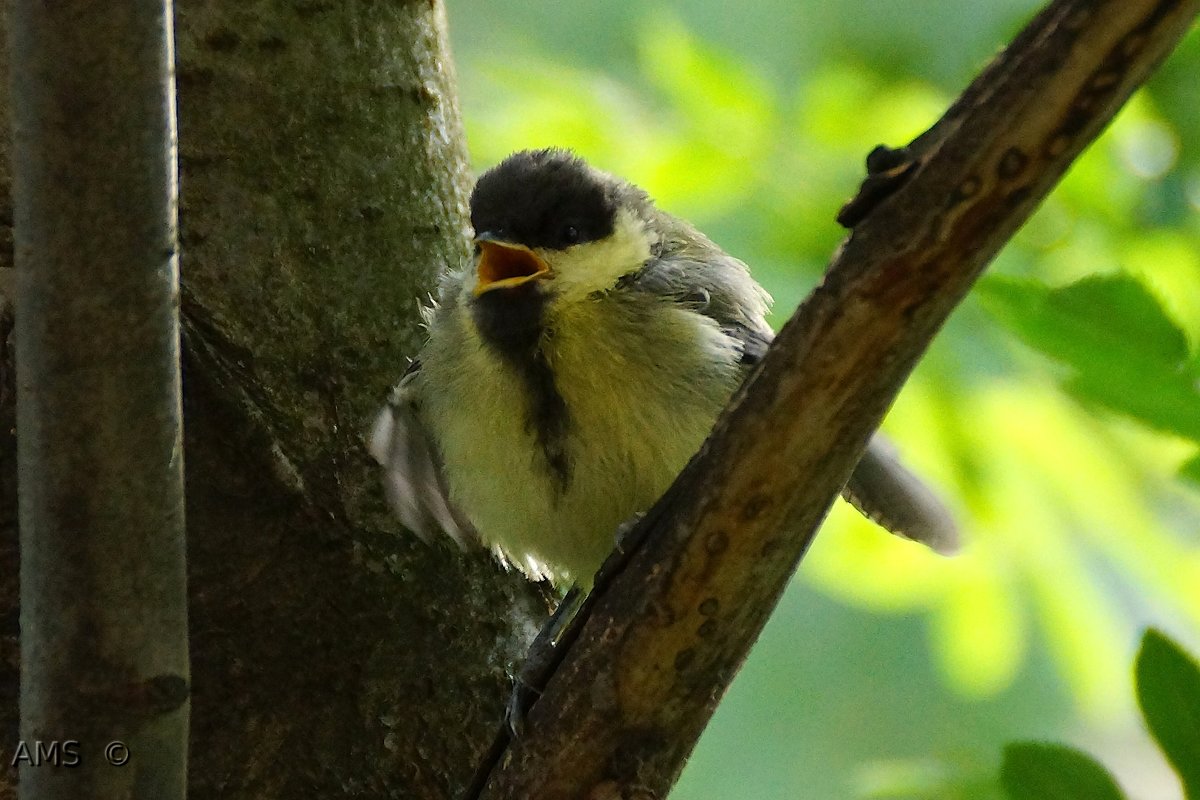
(1190, 471)
(1168, 690)
(1128, 354)
(1046, 771)
(1166, 402)
(1092, 319)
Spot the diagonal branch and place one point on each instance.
(663, 638)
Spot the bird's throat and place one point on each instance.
(511, 320)
(512, 323)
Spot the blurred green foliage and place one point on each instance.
(1167, 681)
(1168, 692)
(1043, 771)
(1058, 412)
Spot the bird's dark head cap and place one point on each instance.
(547, 198)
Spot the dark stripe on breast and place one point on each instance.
(512, 323)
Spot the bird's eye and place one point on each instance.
(570, 234)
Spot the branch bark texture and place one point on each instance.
(100, 455)
(666, 634)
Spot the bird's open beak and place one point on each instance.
(504, 265)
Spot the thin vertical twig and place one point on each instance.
(104, 682)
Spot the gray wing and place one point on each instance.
(689, 269)
(413, 478)
(693, 270)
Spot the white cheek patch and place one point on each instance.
(596, 266)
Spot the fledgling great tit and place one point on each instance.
(573, 368)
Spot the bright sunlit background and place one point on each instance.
(1058, 413)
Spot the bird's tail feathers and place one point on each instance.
(889, 494)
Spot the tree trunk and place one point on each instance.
(323, 181)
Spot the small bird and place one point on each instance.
(574, 366)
